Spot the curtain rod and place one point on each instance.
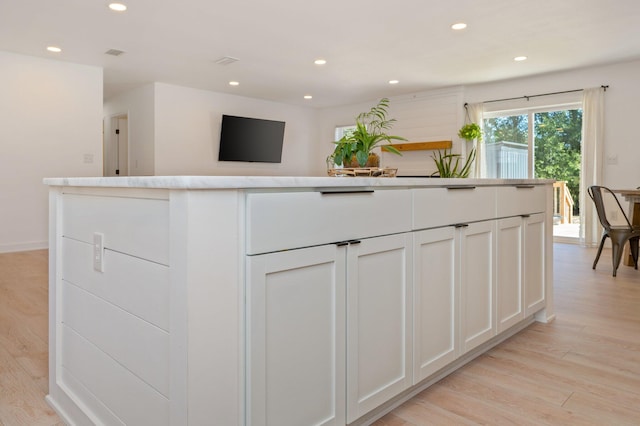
(605, 87)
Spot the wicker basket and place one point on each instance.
(364, 171)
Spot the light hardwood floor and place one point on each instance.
(23, 340)
(582, 369)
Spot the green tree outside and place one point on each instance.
(558, 135)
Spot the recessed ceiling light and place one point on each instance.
(117, 7)
(54, 49)
(459, 26)
(394, 81)
(320, 61)
(226, 60)
(114, 52)
(234, 83)
(308, 97)
(520, 58)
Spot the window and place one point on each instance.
(541, 143)
(344, 130)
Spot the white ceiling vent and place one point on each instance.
(114, 52)
(226, 60)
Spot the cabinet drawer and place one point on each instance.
(281, 221)
(135, 226)
(521, 199)
(435, 207)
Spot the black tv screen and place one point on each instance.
(251, 139)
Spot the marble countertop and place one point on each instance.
(251, 182)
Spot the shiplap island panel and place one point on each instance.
(192, 300)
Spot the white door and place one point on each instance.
(436, 273)
(296, 337)
(378, 322)
(534, 267)
(509, 307)
(477, 284)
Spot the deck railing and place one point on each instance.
(562, 202)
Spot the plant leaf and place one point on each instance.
(362, 158)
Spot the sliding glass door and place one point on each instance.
(541, 143)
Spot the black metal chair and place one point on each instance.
(620, 232)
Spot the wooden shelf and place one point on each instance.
(421, 146)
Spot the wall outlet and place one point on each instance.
(98, 252)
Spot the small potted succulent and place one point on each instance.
(355, 148)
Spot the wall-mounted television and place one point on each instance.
(251, 139)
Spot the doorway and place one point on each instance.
(541, 143)
(116, 146)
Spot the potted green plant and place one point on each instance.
(355, 148)
(449, 165)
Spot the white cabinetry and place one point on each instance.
(296, 337)
(521, 253)
(313, 310)
(296, 329)
(519, 200)
(521, 262)
(435, 300)
(454, 274)
(477, 284)
(378, 322)
(534, 266)
(306, 301)
(509, 302)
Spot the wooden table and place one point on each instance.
(633, 197)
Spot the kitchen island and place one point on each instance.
(283, 300)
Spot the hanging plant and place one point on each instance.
(470, 132)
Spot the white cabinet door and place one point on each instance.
(477, 284)
(378, 322)
(509, 307)
(534, 269)
(436, 272)
(296, 337)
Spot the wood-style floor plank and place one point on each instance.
(24, 340)
(581, 369)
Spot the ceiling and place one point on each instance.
(366, 43)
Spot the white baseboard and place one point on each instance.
(10, 248)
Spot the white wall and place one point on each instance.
(421, 117)
(187, 133)
(139, 106)
(51, 125)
